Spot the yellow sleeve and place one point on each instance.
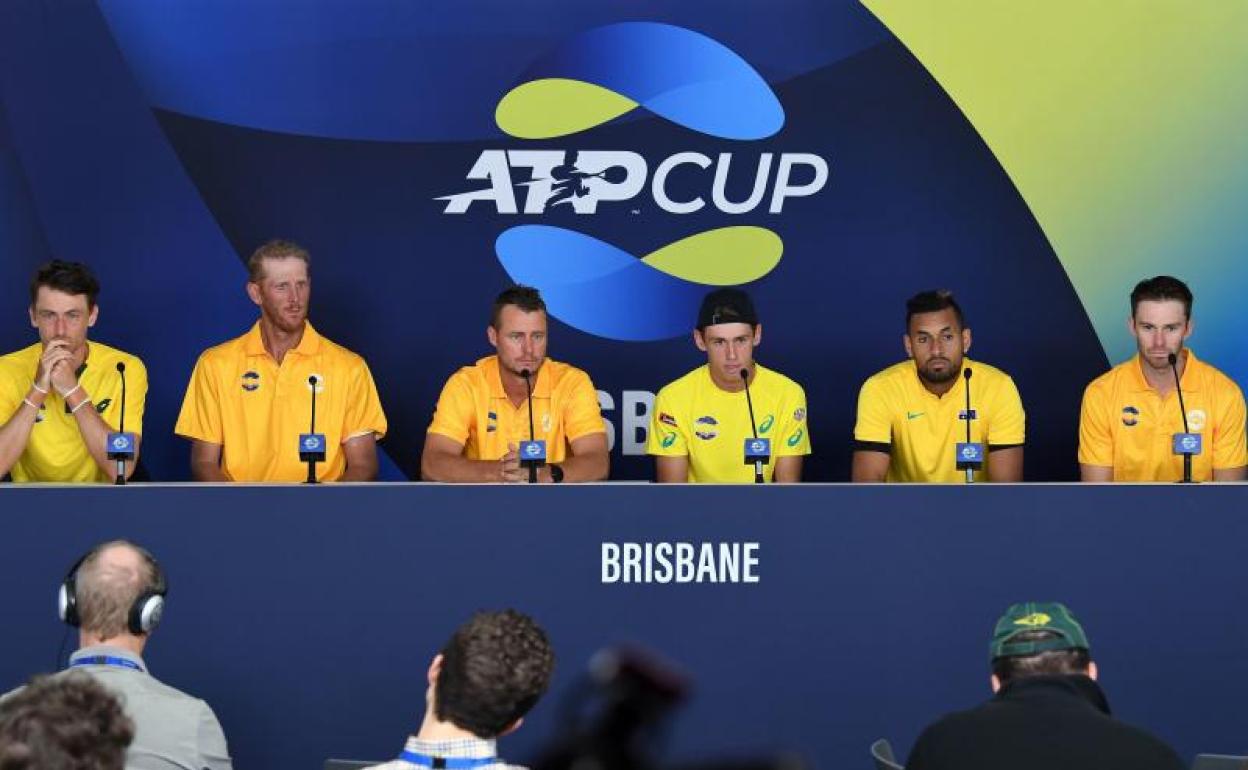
(1096, 440)
(13, 388)
(581, 415)
(364, 412)
(667, 436)
(1229, 449)
(1008, 422)
(875, 423)
(456, 409)
(200, 417)
(793, 437)
(136, 396)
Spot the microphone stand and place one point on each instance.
(758, 464)
(528, 386)
(1187, 456)
(966, 375)
(120, 481)
(312, 429)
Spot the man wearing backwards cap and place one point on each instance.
(700, 422)
(1048, 711)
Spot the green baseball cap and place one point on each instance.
(1036, 616)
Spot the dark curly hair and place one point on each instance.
(494, 669)
(67, 722)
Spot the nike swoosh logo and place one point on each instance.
(912, 415)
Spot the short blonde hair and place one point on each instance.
(274, 249)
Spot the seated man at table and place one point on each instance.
(912, 415)
(1130, 413)
(488, 676)
(250, 398)
(484, 411)
(700, 422)
(1047, 711)
(61, 397)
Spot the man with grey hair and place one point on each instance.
(114, 595)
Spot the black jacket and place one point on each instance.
(1040, 723)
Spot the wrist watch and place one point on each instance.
(556, 474)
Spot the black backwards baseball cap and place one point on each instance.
(1036, 616)
(726, 306)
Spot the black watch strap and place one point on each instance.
(556, 474)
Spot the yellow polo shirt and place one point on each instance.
(919, 430)
(1125, 424)
(474, 410)
(55, 450)
(240, 398)
(693, 417)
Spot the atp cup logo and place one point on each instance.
(598, 76)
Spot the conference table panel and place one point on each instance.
(307, 616)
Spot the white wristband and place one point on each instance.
(81, 404)
(72, 390)
(30, 404)
(35, 385)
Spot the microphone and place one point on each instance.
(757, 450)
(1185, 443)
(119, 443)
(532, 452)
(312, 444)
(969, 455)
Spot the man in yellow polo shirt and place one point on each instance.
(912, 415)
(250, 398)
(60, 397)
(483, 412)
(1131, 412)
(700, 422)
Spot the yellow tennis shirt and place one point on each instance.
(693, 416)
(241, 399)
(55, 450)
(474, 410)
(919, 429)
(1125, 424)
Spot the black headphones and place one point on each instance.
(148, 606)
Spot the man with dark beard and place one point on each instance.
(912, 414)
(250, 398)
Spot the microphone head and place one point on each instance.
(121, 367)
(745, 373)
(966, 373)
(525, 373)
(312, 380)
(1173, 359)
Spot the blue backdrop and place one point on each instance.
(162, 143)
